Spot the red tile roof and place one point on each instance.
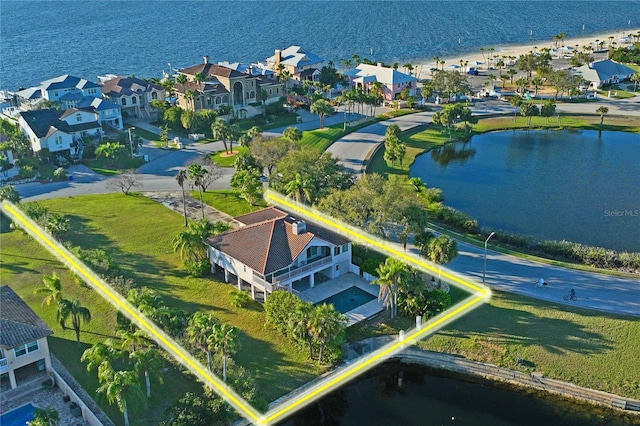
(18, 323)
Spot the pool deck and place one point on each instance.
(332, 287)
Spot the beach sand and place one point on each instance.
(473, 59)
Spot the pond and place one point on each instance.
(431, 397)
(581, 186)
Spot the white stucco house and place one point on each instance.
(604, 72)
(273, 250)
(299, 62)
(57, 89)
(59, 131)
(23, 336)
(392, 81)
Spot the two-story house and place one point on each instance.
(267, 79)
(274, 250)
(300, 63)
(23, 336)
(59, 131)
(134, 95)
(57, 89)
(392, 82)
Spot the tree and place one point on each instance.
(57, 225)
(603, 110)
(450, 83)
(45, 417)
(528, 110)
(9, 193)
(100, 356)
(322, 108)
(511, 73)
(325, 324)
(516, 102)
(292, 134)
(125, 181)
(390, 273)
(52, 288)
(422, 240)
(190, 244)
(200, 327)
(196, 173)
(73, 309)
(148, 361)
(298, 323)
(442, 250)
(299, 188)
(220, 130)
(247, 182)
(635, 78)
(548, 109)
(118, 387)
(181, 177)
(223, 340)
(110, 150)
(270, 151)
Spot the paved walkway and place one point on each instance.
(173, 200)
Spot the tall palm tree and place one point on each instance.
(220, 130)
(149, 361)
(322, 108)
(73, 309)
(119, 387)
(100, 356)
(299, 324)
(200, 327)
(52, 288)
(300, 188)
(603, 110)
(390, 274)
(442, 250)
(325, 324)
(181, 177)
(196, 173)
(223, 340)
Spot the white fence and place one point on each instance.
(355, 269)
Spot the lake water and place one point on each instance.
(574, 185)
(436, 398)
(43, 39)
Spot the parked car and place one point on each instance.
(472, 71)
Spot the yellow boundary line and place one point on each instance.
(324, 386)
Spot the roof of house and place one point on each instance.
(67, 82)
(18, 323)
(296, 56)
(268, 243)
(91, 103)
(253, 69)
(208, 87)
(30, 93)
(603, 70)
(127, 86)
(45, 122)
(308, 72)
(212, 70)
(382, 74)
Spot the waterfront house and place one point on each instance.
(134, 95)
(23, 336)
(60, 132)
(604, 72)
(57, 89)
(266, 78)
(392, 81)
(274, 250)
(300, 63)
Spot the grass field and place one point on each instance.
(228, 160)
(229, 202)
(110, 167)
(137, 232)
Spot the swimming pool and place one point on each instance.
(18, 417)
(348, 299)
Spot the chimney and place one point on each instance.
(380, 64)
(299, 227)
(278, 56)
(206, 59)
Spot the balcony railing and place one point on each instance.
(303, 269)
(3, 364)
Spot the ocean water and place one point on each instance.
(43, 39)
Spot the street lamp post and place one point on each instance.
(484, 271)
(130, 141)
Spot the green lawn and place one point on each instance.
(228, 160)
(110, 167)
(229, 202)
(144, 133)
(138, 232)
(321, 139)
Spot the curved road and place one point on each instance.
(508, 273)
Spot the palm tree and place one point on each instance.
(442, 250)
(390, 273)
(292, 134)
(196, 173)
(220, 130)
(325, 324)
(223, 340)
(181, 177)
(515, 101)
(100, 356)
(300, 188)
(118, 387)
(52, 288)
(201, 326)
(299, 325)
(45, 417)
(133, 341)
(422, 240)
(635, 78)
(77, 312)
(190, 241)
(147, 361)
(603, 110)
(322, 108)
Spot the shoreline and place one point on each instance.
(521, 49)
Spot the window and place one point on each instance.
(26, 348)
(312, 251)
(154, 95)
(124, 101)
(218, 100)
(252, 94)
(336, 251)
(209, 101)
(79, 117)
(345, 248)
(134, 100)
(58, 140)
(277, 90)
(270, 92)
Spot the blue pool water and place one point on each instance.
(18, 417)
(348, 299)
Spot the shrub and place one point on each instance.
(26, 172)
(60, 173)
(197, 269)
(369, 266)
(278, 307)
(240, 299)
